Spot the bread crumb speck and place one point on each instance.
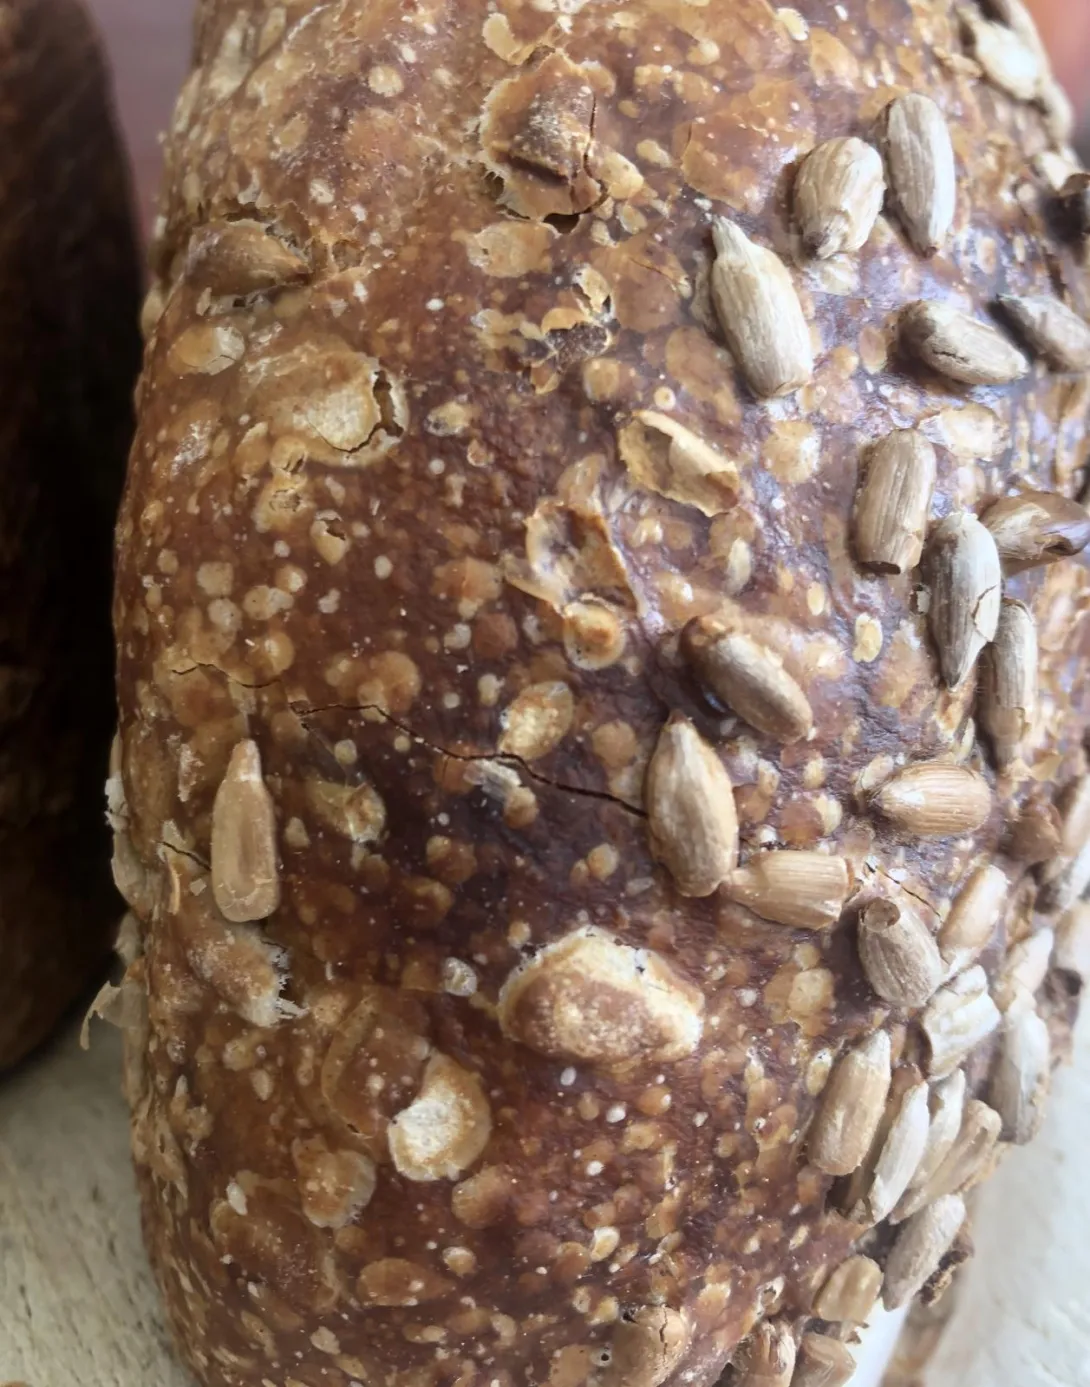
(385, 81)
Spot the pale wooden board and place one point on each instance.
(77, 1304)
(78, 1307)
(1023, 1315)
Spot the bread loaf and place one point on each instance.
(68, 357)
(603, 663)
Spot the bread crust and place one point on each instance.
(423, 516)
(69, 354)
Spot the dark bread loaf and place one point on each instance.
(68, 358)
(602, 727)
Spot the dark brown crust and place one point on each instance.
(391, 526)
(68, 356)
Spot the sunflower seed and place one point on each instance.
(1008, 683)
(919, 158)
(690, 806)
(647, 1347)
(1020, 1079)
(898, 1159)
(899, 956)
(936, 799)
(759, 311)
(1015, 15)
(1060, 894)
(976, 911)
(965, 1165)
(966, 588)
(838, 195)
(947, 1107)
(957, 1019)
(1024, 970)
(1034, 836)
(894, 501)
(1072, 952)
(245, 872)
(960, 347)
(1008, 62)
(747, 678)
(804, 890)
(767, 1359)
(852, 1107)
(920, 1247)
(1037, 527)
(1059, 112)
(823, 1362)
(1050, 329)
(850, 1293)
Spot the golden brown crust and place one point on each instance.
(427, 529)
(68, 357)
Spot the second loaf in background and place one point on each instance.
(69, 355)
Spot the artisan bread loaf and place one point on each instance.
(603, 663)
(68, 357)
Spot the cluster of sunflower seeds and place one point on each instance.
(908, 1155)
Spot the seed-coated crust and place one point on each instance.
(68, 357)
(402, 525)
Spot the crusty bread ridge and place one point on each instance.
(604, 793)
(69, 354)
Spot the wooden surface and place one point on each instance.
(1023, 1315)
(78, 1309)
(77, 1306)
